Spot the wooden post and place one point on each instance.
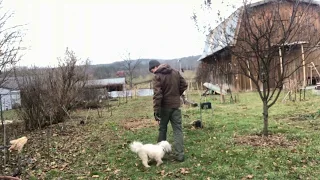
(250, 81)
(280, 55)
(315, 68)
(135, 92)
(310, 80)
(311, 69)
(198, 87)
(303, 66)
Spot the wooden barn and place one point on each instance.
(297, 56)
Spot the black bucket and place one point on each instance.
(205, 105)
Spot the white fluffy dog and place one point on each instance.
(151, 151)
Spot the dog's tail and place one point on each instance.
(136, 146)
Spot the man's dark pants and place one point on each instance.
(174, 116)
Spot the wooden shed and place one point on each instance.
(112, 84)
(225, 39)
(101, 88)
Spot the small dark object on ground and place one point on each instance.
(194, 104)
(205, 105)
(197, 124)
(16, 173)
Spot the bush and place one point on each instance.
(16, 106)
(48, 94)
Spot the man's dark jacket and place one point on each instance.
(168, 86)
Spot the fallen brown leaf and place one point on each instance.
(116, 171)
(162, 172)
(108, 169)
(63, 166)
(249, 176)
(184, 170)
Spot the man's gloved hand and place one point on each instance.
(157, 116)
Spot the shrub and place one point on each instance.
(47, 94)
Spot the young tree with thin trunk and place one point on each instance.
(130, 66)
(10, 50)
(270, 43)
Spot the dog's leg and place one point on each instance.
(145, 163)
(159, 161)
(144, 158)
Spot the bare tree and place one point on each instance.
(270, 42)
(130, 67)
(10, 48)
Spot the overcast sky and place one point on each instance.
(103, 30)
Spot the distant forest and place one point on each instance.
(102, 71)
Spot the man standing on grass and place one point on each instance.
(168, 86)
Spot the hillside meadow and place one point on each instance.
(228, 147)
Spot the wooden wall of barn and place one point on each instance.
(220, 69)
(296, 80)
(223, 60)
(306, 20)
(310, 33)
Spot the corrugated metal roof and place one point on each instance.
(222, 36)
(295, 1)
(106, 82)
(10, 83)
(225, 34)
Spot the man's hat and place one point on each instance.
(152, 64)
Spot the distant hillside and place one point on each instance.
(109, 70)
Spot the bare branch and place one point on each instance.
(130, 66)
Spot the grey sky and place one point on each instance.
(102, 30)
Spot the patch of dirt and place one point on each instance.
(275, 140)
(135, 124)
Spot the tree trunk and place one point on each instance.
(221, 95)
(265, 118)
(4, 135)
(131, 78)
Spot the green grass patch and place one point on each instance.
(226, 148)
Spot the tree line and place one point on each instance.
(102, 71)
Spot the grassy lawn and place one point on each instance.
(228, 146)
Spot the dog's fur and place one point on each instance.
(150, 151)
